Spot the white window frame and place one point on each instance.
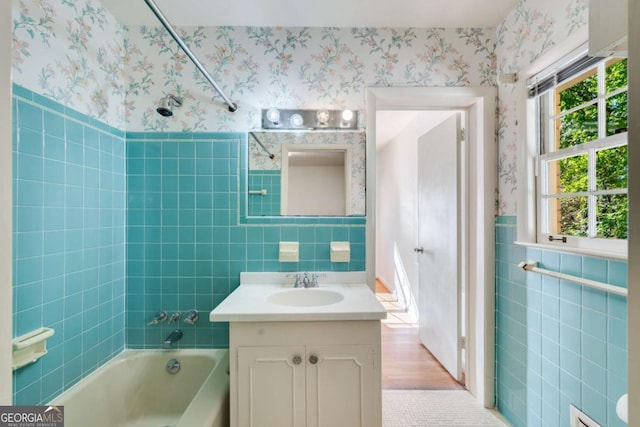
(590, 243)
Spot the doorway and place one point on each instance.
(479, 103)
(420, 164)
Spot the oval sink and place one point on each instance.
(305, 297)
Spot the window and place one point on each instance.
(582, 163)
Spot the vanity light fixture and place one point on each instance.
(321, 119)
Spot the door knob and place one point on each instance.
(313, 359)
(419, 250)
(297, 360)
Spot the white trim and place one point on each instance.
(526, 135)
(611, 141)
(6, 330)
(633, 300)
(480, 103)
(550, 154)
(573, 250)
(527, 215)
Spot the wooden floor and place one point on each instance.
(406, 363)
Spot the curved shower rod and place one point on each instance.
(156, 11)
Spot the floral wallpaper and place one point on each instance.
(260, 67)
(71, 51)
(75, 52)
(528, 31)
(259, 159)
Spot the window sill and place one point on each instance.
(580, 251)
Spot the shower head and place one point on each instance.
(165, 108)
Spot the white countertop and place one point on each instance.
(250, 302)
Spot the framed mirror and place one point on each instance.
(297, 173)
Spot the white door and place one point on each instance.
(438, 246)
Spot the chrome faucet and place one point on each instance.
(159, 317)
(306, 281)
(175, 317)
(173, 337)
(310, 282)
(192, 317)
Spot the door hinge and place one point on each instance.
(463, 342)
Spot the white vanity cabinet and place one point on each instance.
(305, 374)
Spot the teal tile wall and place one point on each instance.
(557, 343)
(264, 204)
(68, 242)
(188, 240)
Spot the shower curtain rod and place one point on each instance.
(271, 156)
(156, 11)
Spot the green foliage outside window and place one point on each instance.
(579, 127)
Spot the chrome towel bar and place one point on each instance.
(532, 266)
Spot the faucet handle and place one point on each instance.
(175, 317)
(159, 317)
(192, 317)
(314, 280)
(298, 281)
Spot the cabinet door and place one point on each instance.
(340, 386)
(271, 386)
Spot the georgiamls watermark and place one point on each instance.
(31, 416)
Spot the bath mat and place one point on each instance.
(450, 408)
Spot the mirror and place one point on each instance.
(306, 174)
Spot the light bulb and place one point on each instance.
(322, 116)
(273, 115)
(347, 115)
(296, 120)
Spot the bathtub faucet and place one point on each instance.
(174, 336)
(159, 317)
(175, 317)
(192, 317)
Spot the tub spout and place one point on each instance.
(172, 338)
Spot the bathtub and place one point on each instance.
(135, 390)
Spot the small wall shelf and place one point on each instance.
(289, 252)
(30, 347)
(340, 251)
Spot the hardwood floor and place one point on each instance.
(406, 363)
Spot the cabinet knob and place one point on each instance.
(297, 360)
(313, 359)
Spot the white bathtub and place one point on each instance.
(135, 390)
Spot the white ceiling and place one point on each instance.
(326, 13)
